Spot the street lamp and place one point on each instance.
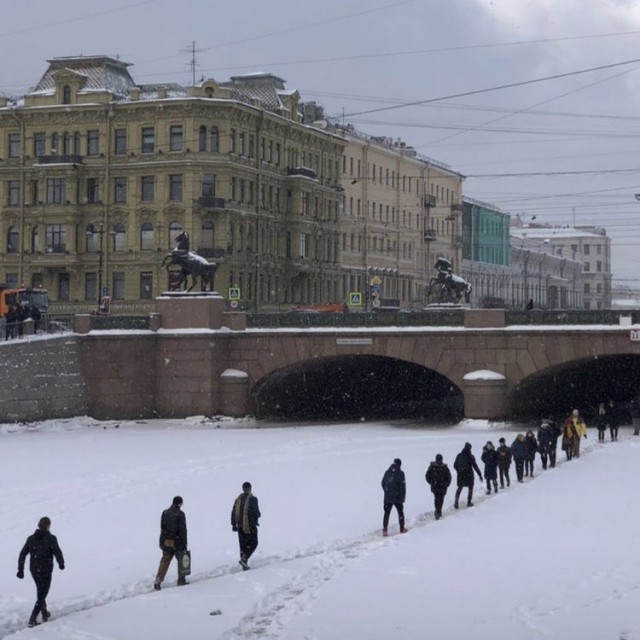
(91, 232)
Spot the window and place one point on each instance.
(598, 265)
(119, 238)
(66, 143)
(175, 229)
(93, 142)
(304, 245)
(55, 143)
(35, 187)
(232, 141)
(214, 140)
(146, 237)
(148, 139)
(66, 94)
(599, 287)
(64, 286)
(233, 189)
(93, 239)
(13, 193)
(241, 145)
(147, 188)
(587, 287)
(56, 238)
(39, 144)
(277, 154)
(206, 235)
(202, 138)
(77, 143)
(13, 240)
(251, 145)
(90, 286)
(35, 240)
(120, 142)
(93, 190)
(118, 285)
(587, 249)
(586, 267)
(208, 181)
(14, 145)
(175, 187)
(56, 190)
(119, 190)
(175, 137)
(146, 285)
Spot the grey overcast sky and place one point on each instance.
(564, 150)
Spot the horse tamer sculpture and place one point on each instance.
(447, 287)
(191, 264)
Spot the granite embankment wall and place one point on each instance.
(41, 378)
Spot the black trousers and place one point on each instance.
(248, 543)
(43, 584)
(387, 511)
(438, 501)
(459, 492)
(504, 476)
(519, 469)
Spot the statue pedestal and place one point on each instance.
(190, 310)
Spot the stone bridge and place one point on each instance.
(177, 369)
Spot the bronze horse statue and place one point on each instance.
(191, 264)
(446, 285)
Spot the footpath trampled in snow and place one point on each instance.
(551, 558)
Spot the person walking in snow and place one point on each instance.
(395, 491)
(548, 434)
(575, 429)
(245, 514)
(42, 547)
(465, 464)
(438, 477)
(614, 418)
(532, 448)
(519, 452)
(490, 459)
(504, 462)
(173, 540)
(602, 421)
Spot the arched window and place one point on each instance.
(66, 94)
(202, 138)
(35, 241)
(174, 230)
(13, 240)
(146, 237)
(119, 237)
(214, 139)
(206, 235)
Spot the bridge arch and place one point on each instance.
(357, 386)
(582, 383)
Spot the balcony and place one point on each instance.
(302, 172)
(217, 253)
(211, 202)
(60, 159)
(430, 235)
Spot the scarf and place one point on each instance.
(241, 511)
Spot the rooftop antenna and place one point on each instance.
(573, 210)
(193, 63)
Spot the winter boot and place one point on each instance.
(45, 615)
(403, 530)
(157, 586)
(385, 533)
(182, 582)
(469, 504)
(33, 622)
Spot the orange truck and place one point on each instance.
(31, 297)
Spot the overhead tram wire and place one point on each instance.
(502, 87)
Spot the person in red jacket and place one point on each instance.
(42, 547)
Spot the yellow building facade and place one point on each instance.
(402, 211)
(99, 175)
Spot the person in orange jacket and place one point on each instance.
(575, 429)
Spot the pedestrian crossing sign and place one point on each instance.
(355, 299)
(234, 293)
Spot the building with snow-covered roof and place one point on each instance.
(589, 245)
(100, 174)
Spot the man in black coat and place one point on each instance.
(548, 435)
(244, 519)
(173, 540)
(504, 462)
(42, 547)
(395, 491)
(465, 464)
(438, 477)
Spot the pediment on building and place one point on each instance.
(173, 210)
(146, 213)
(69, 76)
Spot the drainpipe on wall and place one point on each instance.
(23, 149)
